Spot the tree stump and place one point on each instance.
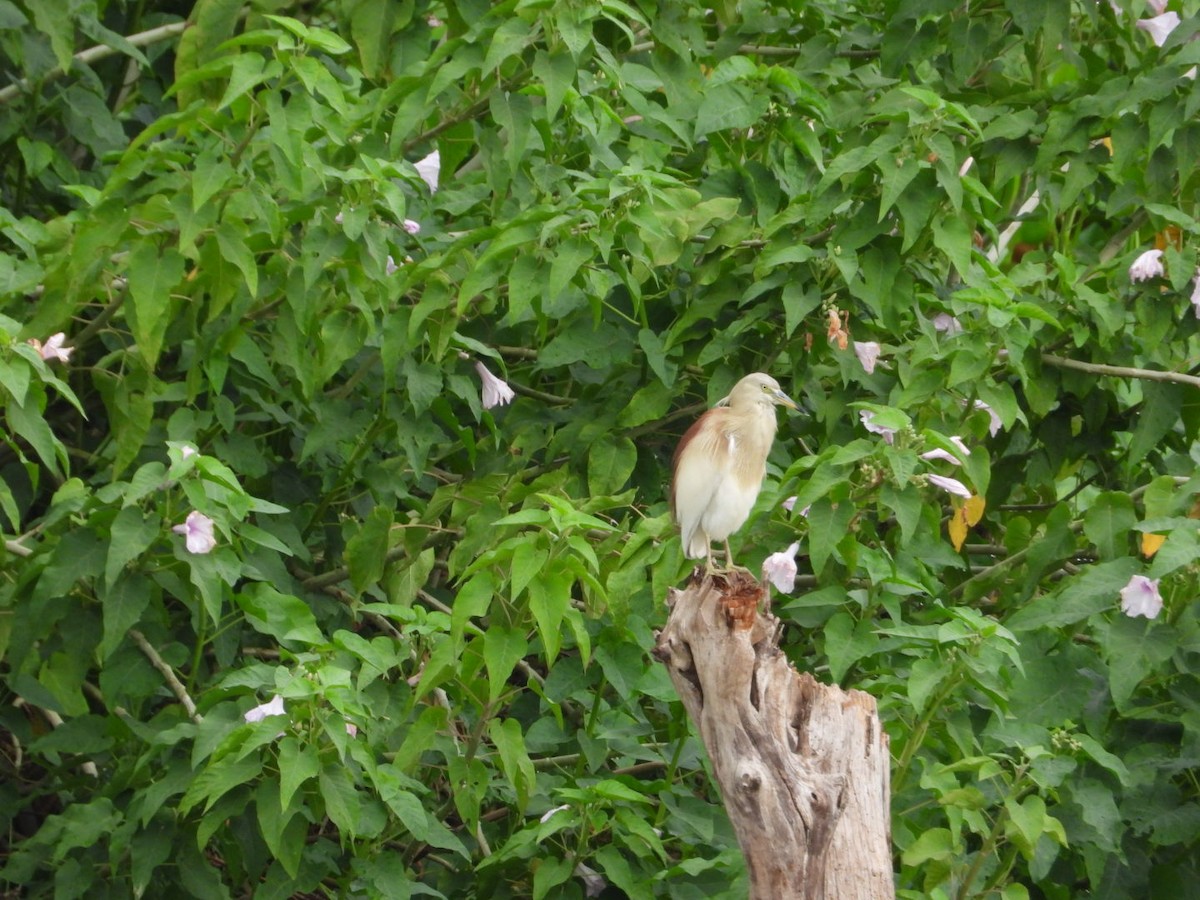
(803, 767)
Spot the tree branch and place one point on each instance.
(99, 52)
(1120, 371)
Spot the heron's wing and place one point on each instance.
(703, 460)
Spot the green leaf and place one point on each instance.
(282, 616)
(503, 648)
(132, 532)
(1093, 591)
(342, 802)
(366, 551)
(234, 249)
(124, 603)
(153, 275)
(611, 460)
(1108, 521)
(473, 600)
(514, 759)
(297, 764)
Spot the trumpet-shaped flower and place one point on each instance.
(496, 391)
(995, 423)
(947, 324)
(411, 226)
(952, 485)
(867, 417)
(197, 529)
(1141, 597)
(867, 353)
(53, 348)
(429, 169)
(1159, 27)
(780, 568)
(790, 504)
(939, 453)
(1148, 265)
(273, 707)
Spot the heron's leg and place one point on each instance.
(728, 555)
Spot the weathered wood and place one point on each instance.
(803, 767)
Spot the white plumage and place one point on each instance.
(720, 462)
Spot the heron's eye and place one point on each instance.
(766, 389)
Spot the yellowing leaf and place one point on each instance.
(973, 509)
(958, 528)
(1151, 543)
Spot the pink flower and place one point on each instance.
(496, 391)
(780, 568)
(939, 453)
(790, 503)
(411, 226)
(952, 485)
(867, 417)
(1160, 27)
(198, 529)
(867, 353)
(947, 323)
(187, 451)
(1148, 265)
(351, 728)
(53, 348)
(958, 442)
(1141, 597)
(339, 218)
(996, 422)
(391, 267)
(429, 168)
(273, 707)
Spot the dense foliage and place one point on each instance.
(919, 216)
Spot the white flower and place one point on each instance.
(411, 226)
(1158, 7)
(1141, 597)
(339, 218)
(549, 814)
(939, 453)
(947, 323)
(187, 451)
(198, 529)
(429, 168)
(1148, 265)
(273, 707)
(868, 421)
(780, 568)
(952, 485)
(1196, 293)
(391, 267)
(496, 391)
(966, 166)
(351, 728)
(790, 503)
(53, 348)
(867, 353)
(958, 442)
(1160, 27)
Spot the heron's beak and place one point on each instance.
(784, 400)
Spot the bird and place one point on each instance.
(718, 467)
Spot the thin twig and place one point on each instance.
(16, 548)
(1120, 371)
(168, 674)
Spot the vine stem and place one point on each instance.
(1120, 371)
(101, 51)
(167, 672)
